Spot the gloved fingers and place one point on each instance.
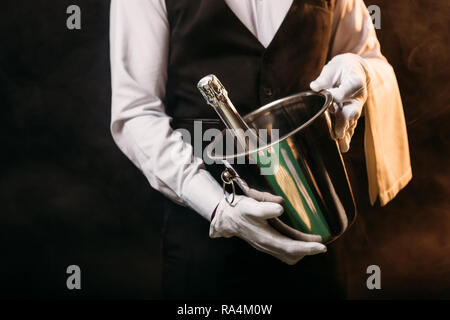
(346, 116)
(262, 210)
(264, 196)
(344, 143)
(352, 109)
(306, 248)
(341, 124)
(351, 129)
(284, 248)
(326, 79)
(280, 256)
(350, 87)
(296, 250)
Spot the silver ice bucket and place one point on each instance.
(308, 170)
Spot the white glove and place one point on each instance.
(345, 77)
(247, 219)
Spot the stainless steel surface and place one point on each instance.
(308, 173)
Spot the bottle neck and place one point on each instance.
(216, 96)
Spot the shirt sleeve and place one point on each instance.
(139, 37)
(353, 30)
(385, 139)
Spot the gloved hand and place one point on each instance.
(247, 219)
(345, 77)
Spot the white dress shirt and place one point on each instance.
(139, 37)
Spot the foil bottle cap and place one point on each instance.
(212, 90)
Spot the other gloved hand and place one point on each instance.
(346, 79)
(247, 219)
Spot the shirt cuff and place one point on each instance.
(202, 193)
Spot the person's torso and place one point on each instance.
(206, 37)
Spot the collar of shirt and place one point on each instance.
(262, 18)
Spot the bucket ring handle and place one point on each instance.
(228, 177)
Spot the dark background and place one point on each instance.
(68, 195)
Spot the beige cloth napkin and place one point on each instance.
(386, 140)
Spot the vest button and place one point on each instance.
(268, 91)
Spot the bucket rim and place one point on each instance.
(277, 103)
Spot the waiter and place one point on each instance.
(262, 50)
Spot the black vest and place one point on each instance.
(207, 38)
